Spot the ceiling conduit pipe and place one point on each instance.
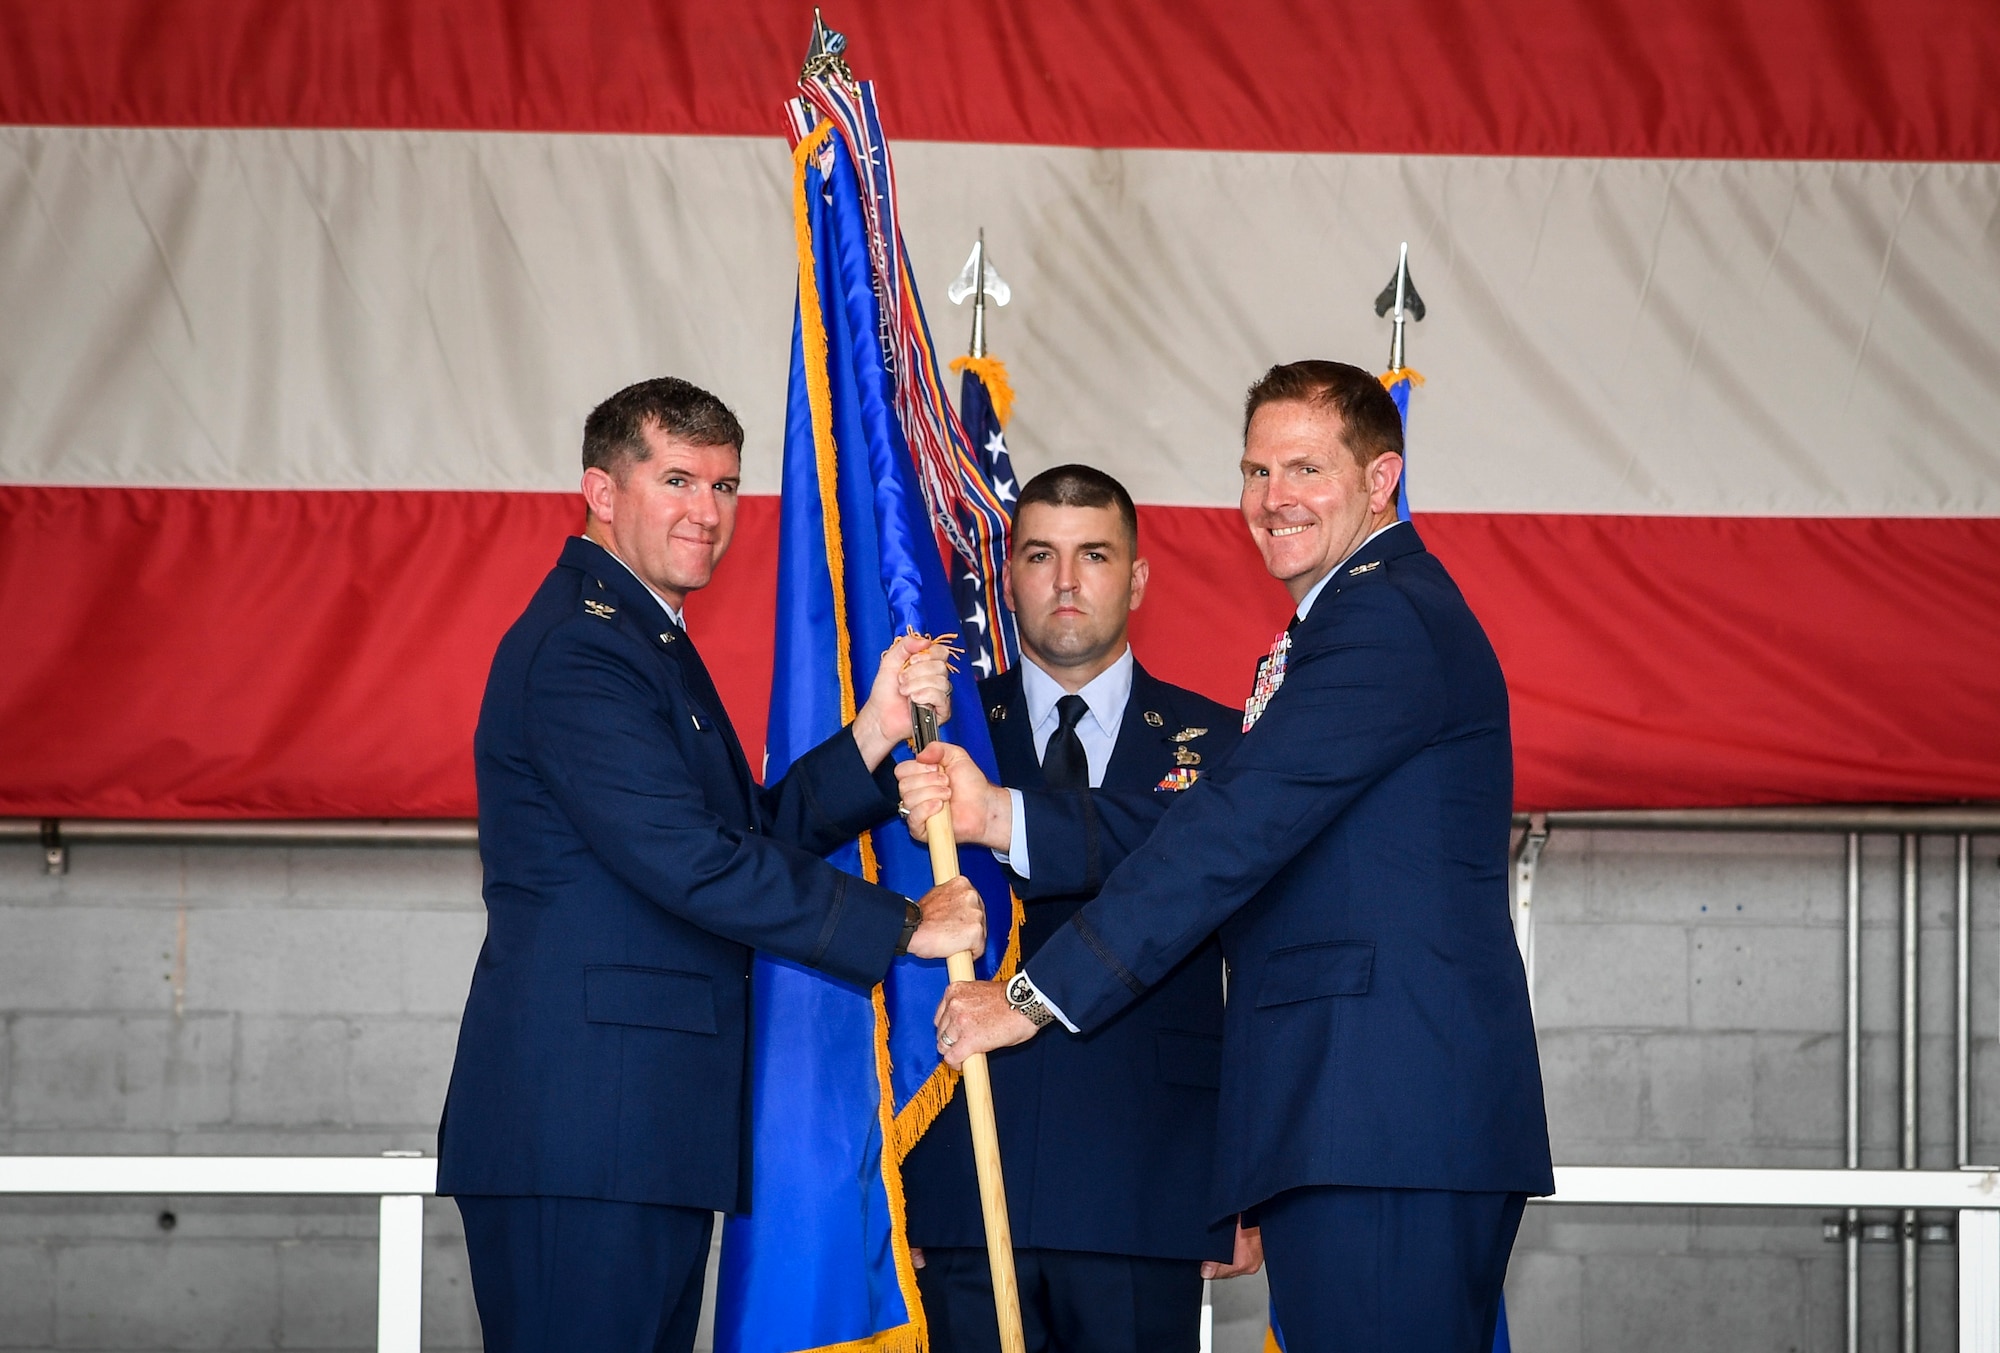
(1907, 1237)
(1529, 855)
(1963, 1036)
(1851, 1228)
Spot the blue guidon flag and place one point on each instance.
(880, 486)
(1399, 382)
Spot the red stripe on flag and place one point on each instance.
(1672, 661)
(199, 653)
(1783, 79)
(215, 653)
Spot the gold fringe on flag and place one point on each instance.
(992, 373)
(916, 1116)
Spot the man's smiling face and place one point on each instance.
(671, 515)
(1307, 501)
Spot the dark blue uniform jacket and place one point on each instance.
(632, 865)
(1353, 851)
(1107, 1139)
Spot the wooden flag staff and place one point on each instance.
(978, 1089)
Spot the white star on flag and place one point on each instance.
(1004, 490)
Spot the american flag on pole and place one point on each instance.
(984, 400)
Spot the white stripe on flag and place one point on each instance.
(388, 309)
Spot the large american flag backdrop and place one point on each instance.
(301, 308)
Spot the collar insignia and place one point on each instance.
(599, 609)
(667, 636)
(998, 713)
(1154, 720)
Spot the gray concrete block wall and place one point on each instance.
(225, 1000)
(305, 1001)
(1690, 1012)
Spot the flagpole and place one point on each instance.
(978, 1090)
(979, 298)
(1402, 292)
(1400, 302)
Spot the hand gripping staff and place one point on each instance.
(978, 1087)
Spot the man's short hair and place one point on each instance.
(614, 436)
(1369, 423)
(1081, 486)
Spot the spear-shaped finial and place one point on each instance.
(978, 279)
(825, 55)
(1401, 294)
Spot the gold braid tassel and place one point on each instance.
(992, 373)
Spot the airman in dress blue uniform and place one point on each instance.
(596, 1116)
(1381, 1098)
(1108, 1139)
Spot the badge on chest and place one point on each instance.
(1186, 759)
(1270, 676)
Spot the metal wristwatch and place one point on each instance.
(1021, 995)
(913, 917)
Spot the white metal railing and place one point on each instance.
(402, 1182)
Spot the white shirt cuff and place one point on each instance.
(1015, 857)
(1054, 1009)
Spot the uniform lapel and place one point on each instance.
(681, 651)
(605, 574)
(1013, 736)
(1144, 747)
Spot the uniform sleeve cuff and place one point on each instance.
(1015, 857)
(1054, 1009)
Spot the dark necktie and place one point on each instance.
(1064, 766)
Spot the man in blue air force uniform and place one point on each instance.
(596, 1116)
(1381, 1099)
(1107, 1139)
